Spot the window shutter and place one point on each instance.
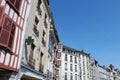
(10, 44)
(1, 13)
(7, 24)
(17, 4)
(4, 37)
(0, 29)
(7, 32)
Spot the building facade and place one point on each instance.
(104, 73)
(84, 65)
(74, 64)
(40, 44)
(53, 53)
(13, 18)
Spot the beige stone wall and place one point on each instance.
(40, 49)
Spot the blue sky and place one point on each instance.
(91, 25)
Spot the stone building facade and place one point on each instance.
(74, 65)
(40, 43)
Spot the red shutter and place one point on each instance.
(4, 37)
(17, 4)
(0, 29)
(7, 24)
(1, 13)
(7, 33)
(10, 44)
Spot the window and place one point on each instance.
(63, 49)
(15, 4)
(45, 23)
(43, 33)
(1, 13)
(35, 30)
(75, 60)
(11, 36)
(71, 59)
(36, 20)
(58, 62)
(71, 76)
(41, 67)
(32, 52)
(43, 42)
(65, 57)
(65, 66)
(75, 68)
(75, 76)
(57, 72)
(65, 76)
(7, 33)
(38, 7)
(58, 55)
(71, 69)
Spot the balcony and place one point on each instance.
(41, 67)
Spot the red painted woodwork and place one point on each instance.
(11, 39)
(7, 33)
(4, 37)
(7, 23)
(1, 13)
(0, 29)
(8, 68)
